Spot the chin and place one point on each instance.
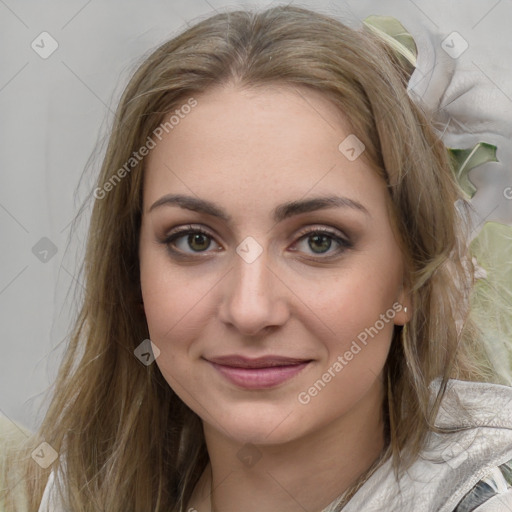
(263, 424)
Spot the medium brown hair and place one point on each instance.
(128, 441)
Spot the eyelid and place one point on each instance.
(188, 227)
(344, 243)
(182, 231)
(333, 233)
(329, 230)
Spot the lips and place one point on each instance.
(258, 373)
(259, 362)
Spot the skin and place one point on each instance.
(249, 151)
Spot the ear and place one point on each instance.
(403, 307)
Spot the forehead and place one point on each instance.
(276, 140)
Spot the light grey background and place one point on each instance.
(55, 112)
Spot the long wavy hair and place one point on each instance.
(126, 441)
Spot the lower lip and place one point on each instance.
(259, 378)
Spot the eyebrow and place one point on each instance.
(280, 212)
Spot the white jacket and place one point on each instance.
(451, 466)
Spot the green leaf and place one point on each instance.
(395, 34)
(492, 248)
(465, 160)
(492, 296)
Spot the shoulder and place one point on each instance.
(11, 432)
(474, 438)
(12, 438)
(491, 494)
(483, 450)
(48, 501)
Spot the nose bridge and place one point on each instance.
(251, 279)
(251, 296)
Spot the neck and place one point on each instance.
(303, 474)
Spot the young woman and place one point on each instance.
(277, 314)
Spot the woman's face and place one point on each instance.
(267, 328)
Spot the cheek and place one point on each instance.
(178, 307)
(352, 315)
(174, 313)
(172, 310)
(168, 292)
(359, 322)
(351, 301)
(360, 331)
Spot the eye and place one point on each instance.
(195, 238)
(320, 240)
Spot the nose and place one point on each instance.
(253, 297)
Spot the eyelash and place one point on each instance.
(303, 234)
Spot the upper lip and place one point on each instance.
(257, 362)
